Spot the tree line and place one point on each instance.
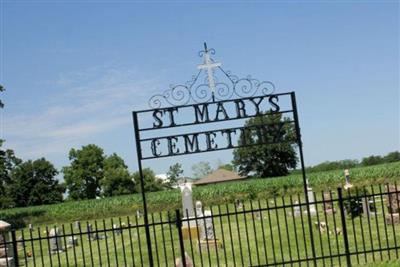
(90, 174)
(352, 163)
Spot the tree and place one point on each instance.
(175, 171)
(8, 161)
(371, 160)
(201, 169)
(392, 157)
(269, 160)
(83, 176)
(34, 183)
(334, 165)
(116, 180)
(151, 183)
(227, 166)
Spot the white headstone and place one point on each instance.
(199, 209)
(347, 185)
(296, 209)
(55, 240)
(72, 242)
(366, 207)
(208, 233)
(310, 195)
(117, 230)
(187, 200)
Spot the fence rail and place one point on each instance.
(350, 227)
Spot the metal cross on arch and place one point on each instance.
(209, 65)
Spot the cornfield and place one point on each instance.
(209, 195)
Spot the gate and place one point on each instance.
(208, 102)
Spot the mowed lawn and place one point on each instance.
(277, 236)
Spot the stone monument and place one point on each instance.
(188, 260)
(207, 237)
(72, 242)
(117, 230)
(296, 209)
(348, 185)
(328, 203)
(393, 205)
(6, 252)
(366, 207)
(199, 210)
(92, 235)
(189, 228)
(187, 200)
(208, 233)
(55, 240)
(311, 200)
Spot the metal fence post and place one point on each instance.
(343, 219)
(15, 248)
(181, 244)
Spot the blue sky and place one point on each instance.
(75, 71)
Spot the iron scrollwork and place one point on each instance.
(211, 88)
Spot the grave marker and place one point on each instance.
(393, 204)
(328, 203)
(189, 228)
(55, 240)
(208, 239)
(296, 209)
(311, 200)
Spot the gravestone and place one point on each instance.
(257, 215)
(189, 228)
(311, 200)
(138, 214)
(188, 261)
(393, 205)
(55, 240)
(199, 209)
(347, 185)
(200, 220)
(6, 251)
(92, 235)
(296, 209)
(187, 200)
(72, 242)
(207, 239)
(321, 226)
(209, 227)
(77, 224)
(117, 230)
(366, 207)
(239, 204)
(328, 203)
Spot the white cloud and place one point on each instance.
(83, 104)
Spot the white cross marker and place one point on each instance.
(209, 65)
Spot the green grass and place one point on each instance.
(269, 240)
(394, 263)
(209, 195)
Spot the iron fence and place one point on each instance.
(350, 227)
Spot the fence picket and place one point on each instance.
(276, 236)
